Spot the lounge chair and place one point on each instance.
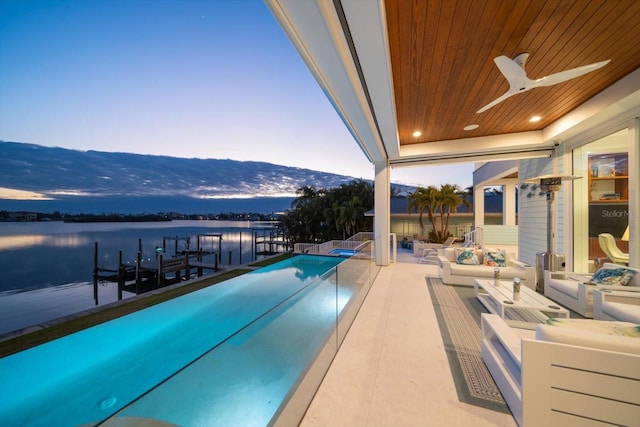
(430, 255)
(608, 245)
(419, 246)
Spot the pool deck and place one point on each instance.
(392, 369)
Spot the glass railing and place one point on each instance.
(267, 373)
(248, 351)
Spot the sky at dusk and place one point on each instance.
(185, 78)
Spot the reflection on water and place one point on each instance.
(27, 241)
(51, 263)
(22, 241)
(22, 309)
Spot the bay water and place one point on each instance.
(46, 268)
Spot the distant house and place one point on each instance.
(406, 224)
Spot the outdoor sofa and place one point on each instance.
(454, 268)
(572, 374)
(575, 291)
(619, 305)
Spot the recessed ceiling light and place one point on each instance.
(535, 119)
(417, 134)
(471, 127)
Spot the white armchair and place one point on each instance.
(574, 291)
(564, 375)
(622, 306)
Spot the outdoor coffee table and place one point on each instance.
(498, 298)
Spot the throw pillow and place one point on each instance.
(613, 276)
(467, 256)
(494, 258)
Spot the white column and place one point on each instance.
(634, 196)
(381, 206)
(509, 201)
(478, 206)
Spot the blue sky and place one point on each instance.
(185, 78)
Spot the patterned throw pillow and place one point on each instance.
(613, 276)
(467, 256)
(496, 258)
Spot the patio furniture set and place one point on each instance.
(610, 301)
(461, 266)
(552, 369)
(567, 371)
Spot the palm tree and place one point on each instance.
(440, 202)
(339, 215)
(449, 198)
(421, 200)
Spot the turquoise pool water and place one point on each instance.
(343, 252)
(225, 355)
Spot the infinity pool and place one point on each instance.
(229, 354)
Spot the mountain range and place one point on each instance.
(73, 180)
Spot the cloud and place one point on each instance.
(12, 194)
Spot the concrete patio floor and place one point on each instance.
(391, 369)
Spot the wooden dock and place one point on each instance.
(147, 275)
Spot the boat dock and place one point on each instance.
(150, 274)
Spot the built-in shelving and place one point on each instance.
(608, 178)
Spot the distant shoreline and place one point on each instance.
(118, 218)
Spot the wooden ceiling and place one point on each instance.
(442, 60)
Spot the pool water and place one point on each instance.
(228, 354)
(343, 252)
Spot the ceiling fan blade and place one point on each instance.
(496, 101)
(563, 76)
(511, 70)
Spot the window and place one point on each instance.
(601, 198)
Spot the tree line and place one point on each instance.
(320, 215)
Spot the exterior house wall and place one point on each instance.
(532, 230)
(459, 224)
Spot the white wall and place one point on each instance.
(499, 235)
(532, 211)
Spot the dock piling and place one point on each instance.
(95, 272)
(120, 276)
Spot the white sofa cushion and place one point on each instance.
(567, 287)
(615, 336)
(622, 311)
(450, 254)
(482, 272)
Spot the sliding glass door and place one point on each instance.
(601, 198)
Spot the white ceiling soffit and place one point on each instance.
(521, 145)
(494, 173)
(317, 31)
(618, 103)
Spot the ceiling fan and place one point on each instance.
(513, 71)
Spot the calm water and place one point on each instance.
(46, 267)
